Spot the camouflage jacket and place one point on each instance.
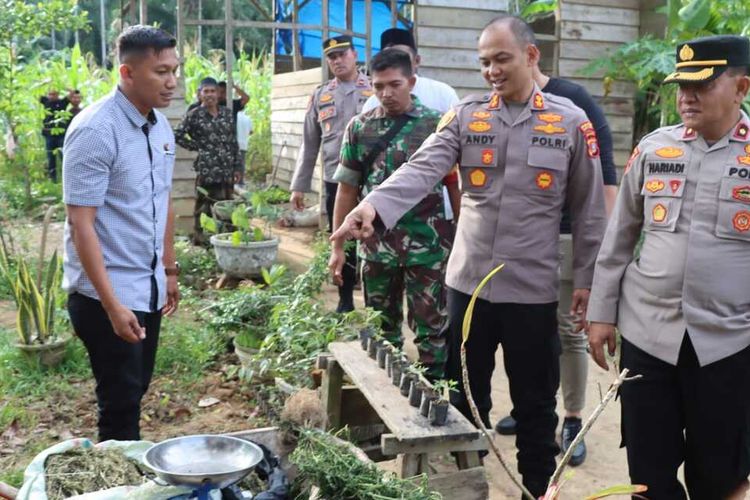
(422, 236)
(215, 140)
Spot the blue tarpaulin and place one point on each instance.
(310, 40)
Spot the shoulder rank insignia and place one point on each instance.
(480, 126)
(481, 115)
(446, 119)
(741, 221)
(655, 185)
(494, 102)
(659, 213)
(549, 129)
(632, 159)
(538, 101)
(544, 180)
(741, 131)
(669, 152)
(550, 117)
(689, 134)
(478, 177)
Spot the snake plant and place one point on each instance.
(35, 301)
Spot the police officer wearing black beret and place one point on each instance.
(681, 301)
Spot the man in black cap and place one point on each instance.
(330, 108)
(681, 299)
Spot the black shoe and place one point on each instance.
(506, 426)
(570, 429)
(344, 306)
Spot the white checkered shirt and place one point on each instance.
(106, 165)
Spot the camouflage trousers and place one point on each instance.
(384, 286)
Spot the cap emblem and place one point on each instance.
(686, 53)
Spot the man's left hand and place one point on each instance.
(578, 307)
(173, 296)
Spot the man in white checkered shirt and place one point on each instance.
(119, 263)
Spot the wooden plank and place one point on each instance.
(293, 90)
(402, 420)
(443, 16)
(468, 484)
(455, 77)
(309, 76)
(391, 445)
(331, 393)
(279, 127)
(468, 459)
(356, 410)
(293, 115)
(454, 58)
(575, 68)
(575, 30)
(445, 37)
(627, 4)
(496, 6)
(586, 49)
(290, 103)
(599, 14)
(294, 140)
(183, 189)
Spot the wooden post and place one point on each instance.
(394, 13)
(132, 12)
(326, 34)
(200, 28)
(331, 393)
(229, 50)
(143, 14)
(296, 58)
(348, 9)
(181, 38)
(368, 31)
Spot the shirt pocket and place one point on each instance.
(733, 218)
(163, 170)
(327, 119)
(662, 201)
(478, 168)
(546, 172)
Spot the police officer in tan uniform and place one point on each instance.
(523, 155)
(682, 301)
(331, 107)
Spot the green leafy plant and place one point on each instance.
(444, 387)
(275, 276)
(36, 301)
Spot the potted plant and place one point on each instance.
(244, 252)
(429, 394)
(418, 383)
(247, 343)
(438, 411)
(36, 303)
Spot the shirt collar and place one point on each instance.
(135, 116)
(537, 102)
(415, 111)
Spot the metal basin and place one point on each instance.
(199, 460)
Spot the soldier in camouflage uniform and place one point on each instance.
(209, 129)
(414, 253)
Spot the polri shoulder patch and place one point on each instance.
(446, 120)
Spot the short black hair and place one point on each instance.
(208, 82)
(521, 30)
(223, 84)
(392, 58)
(738, 71)
(138, 39)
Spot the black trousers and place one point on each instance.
(531, 351)
(686, 413)
(53, 144)
(122, 370)
(349, 273)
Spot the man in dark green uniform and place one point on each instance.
(413, 255)
(209, 130)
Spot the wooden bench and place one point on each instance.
(372, 399)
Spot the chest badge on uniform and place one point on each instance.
(325, 98)
(741, 221)
(669, 152)
(544, 180)
(446, 120)
(480, 126)
(326, 114)
(741, 193)
(654, 186)
(550, 117)
(481, 115)
(478, 177)
(674, 185)
(549, 129)
(328, 127)
(488, 156)
(659, 213)
(745, 160)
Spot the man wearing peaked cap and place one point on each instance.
(329, 109)
(681, 301)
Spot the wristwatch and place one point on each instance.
(173, 271)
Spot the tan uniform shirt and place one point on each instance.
(691, 202)
(516, 175)
(331, 107)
